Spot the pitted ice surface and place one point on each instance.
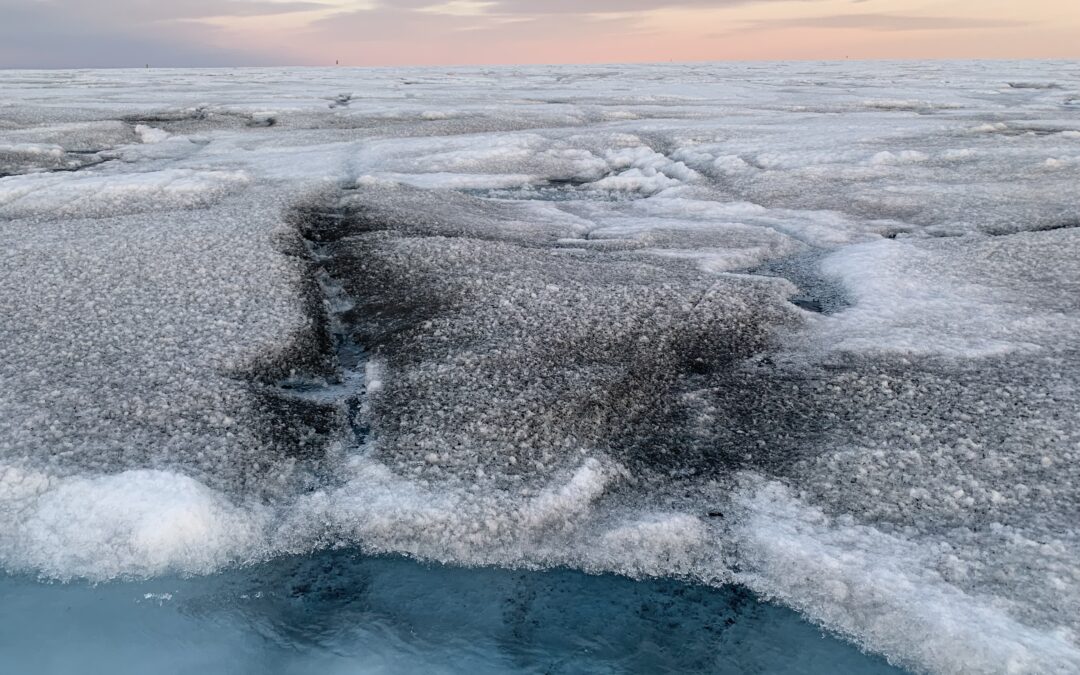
(808, 328)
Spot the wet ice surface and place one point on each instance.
(807, 329)
(334, 613)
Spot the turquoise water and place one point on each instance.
(341, 613)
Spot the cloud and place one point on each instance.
(544, 7)
(98, 33)
(883, 22)
(513, 19)
(137, 11)
(405, 26)
(79, 34)
(606, 6)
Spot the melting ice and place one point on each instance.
(804, 329)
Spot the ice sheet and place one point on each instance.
(805, 327)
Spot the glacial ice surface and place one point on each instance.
(805, 328)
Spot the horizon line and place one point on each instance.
(540, 64)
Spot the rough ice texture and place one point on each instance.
(808, 327)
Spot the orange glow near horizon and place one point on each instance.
(72, 33)
(471, 32)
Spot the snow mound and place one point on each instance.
(134, 523)
(107, 195)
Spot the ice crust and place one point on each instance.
(805, 327)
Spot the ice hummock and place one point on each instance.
(583, 315)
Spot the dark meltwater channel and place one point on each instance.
(339, 613)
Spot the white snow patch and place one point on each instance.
(141, 523)
(102, 195)
(882, 591)
(148, 134)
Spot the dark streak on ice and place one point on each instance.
(200, 119)
(611, 360)
(1044, 226)
(312, 393)
(326, 397)
(817, 293)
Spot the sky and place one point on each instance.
(118, 33)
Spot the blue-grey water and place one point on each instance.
(340, 613)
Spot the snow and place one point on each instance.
(102, 195)
(865, 583)
(150, 134)
(964, 297)
(139, 522)
(805, 327)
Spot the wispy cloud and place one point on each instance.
(90, 33)
(883, 22)
(138, 10)
(536, 7)
(77, 33)
(412, 24)
(515, 19)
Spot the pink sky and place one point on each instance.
(370, 32)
